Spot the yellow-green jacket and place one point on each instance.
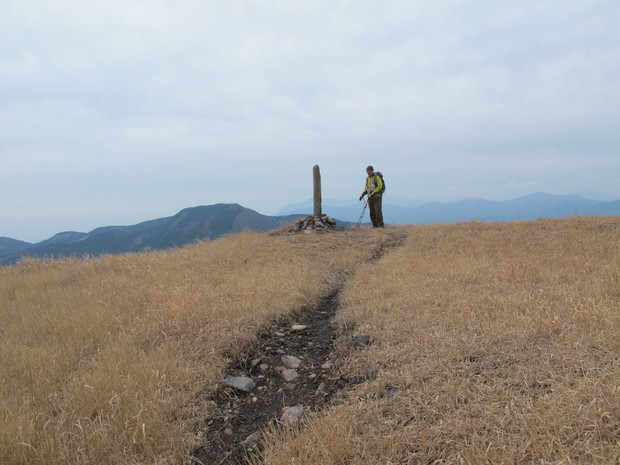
(374, 185)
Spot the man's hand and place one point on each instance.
(361, 197)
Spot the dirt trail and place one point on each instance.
(308, 335)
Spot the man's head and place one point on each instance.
(370, 170)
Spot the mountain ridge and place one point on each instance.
(530, 207)
(212, 221)
(9, 245)
(188, 225)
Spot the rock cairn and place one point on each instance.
(314, 223)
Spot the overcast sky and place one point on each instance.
(116, 112)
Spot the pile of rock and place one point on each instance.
(314, 223)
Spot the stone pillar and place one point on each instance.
(317, 190)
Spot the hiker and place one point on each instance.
(374, 190)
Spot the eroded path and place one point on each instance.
(293, 372)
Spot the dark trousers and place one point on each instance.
(376, 215)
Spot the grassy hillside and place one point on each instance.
(493, 343)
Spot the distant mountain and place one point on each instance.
(595, 195)
(189, 225)
(530, 207)
(210, 222)
(9, 246)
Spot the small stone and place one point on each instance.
(289, 374)
(263, 367)
(362, 340)
(357, 342)
(291, 415)
(321, 389)
(241, 383)
(281, 351)
(251, 439)
(228, 432)
(390, 392)
(279, 334)
(312, 375)
(290, 361)
(298, 328)
(327, 365)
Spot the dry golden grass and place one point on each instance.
(109, 360)
(500, 343)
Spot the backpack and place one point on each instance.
(382, 191)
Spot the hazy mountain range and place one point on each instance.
(210, 222)
(187, 226)
(530, 207)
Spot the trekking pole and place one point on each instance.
(362, 215)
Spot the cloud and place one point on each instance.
(145, 100)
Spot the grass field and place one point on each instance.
(493, 343)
